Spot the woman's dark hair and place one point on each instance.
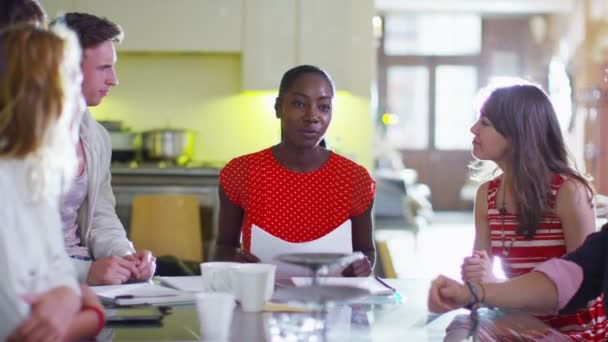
(20, 11)
(524, 115)
(293, 74)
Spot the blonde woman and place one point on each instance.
(40, 102)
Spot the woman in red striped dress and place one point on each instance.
(539, 207)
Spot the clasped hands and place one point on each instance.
(115, 270)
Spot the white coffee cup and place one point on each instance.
(220, 276)
(255, 285)
(215, 311)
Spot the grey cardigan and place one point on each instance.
(99, 228)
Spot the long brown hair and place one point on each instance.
(31, 89)
(524, 115)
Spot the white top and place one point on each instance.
(71, 202)
(99, 228)
(32, 257)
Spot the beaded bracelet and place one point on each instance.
(477, 300)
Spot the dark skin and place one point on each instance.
(305, 111)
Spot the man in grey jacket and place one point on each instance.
(93, 234)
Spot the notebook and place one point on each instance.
(142, 293)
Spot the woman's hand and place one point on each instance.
(359, 268)
(477, 268)
(89, 298)
(50, 316)
(243, 256)
(447, 294)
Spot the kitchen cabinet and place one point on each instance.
(335, 35)
(269, 44)
(54, 8)
(177, 25)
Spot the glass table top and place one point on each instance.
(402, 317)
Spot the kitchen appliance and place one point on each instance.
(111, 125)
(124, 143)
(170, 144)
(124, 146)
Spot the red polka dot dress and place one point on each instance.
(296, 207)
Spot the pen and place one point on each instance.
(125, 296)
(385, 284)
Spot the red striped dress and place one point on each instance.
(519, 255)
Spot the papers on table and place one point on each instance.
(142, 293)
(267, 247)
(367, 283)
(184, 283)
(195, 284)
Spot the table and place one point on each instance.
(374, 318)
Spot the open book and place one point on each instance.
(142, 293)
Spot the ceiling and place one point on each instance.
(477, 6)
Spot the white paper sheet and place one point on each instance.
(184, 283)
(267, 246)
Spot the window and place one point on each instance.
(429, 79)
(432, 35)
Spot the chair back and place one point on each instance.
(167, 225)
(386, 261)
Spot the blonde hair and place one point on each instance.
(38, 103)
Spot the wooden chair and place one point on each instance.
(386, 261)
(167, 225)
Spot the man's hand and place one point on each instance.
(50, 316)
(145, 263)
(111, 271)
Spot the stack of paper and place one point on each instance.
(143, 293)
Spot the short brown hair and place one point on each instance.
(31, 87)
(13, 12)
(90, 29)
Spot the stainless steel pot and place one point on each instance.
(176, 145)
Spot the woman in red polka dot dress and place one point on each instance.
(297, 196)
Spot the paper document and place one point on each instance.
(368, 283)
(267, 246)
(183, 283)
(143, 293)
